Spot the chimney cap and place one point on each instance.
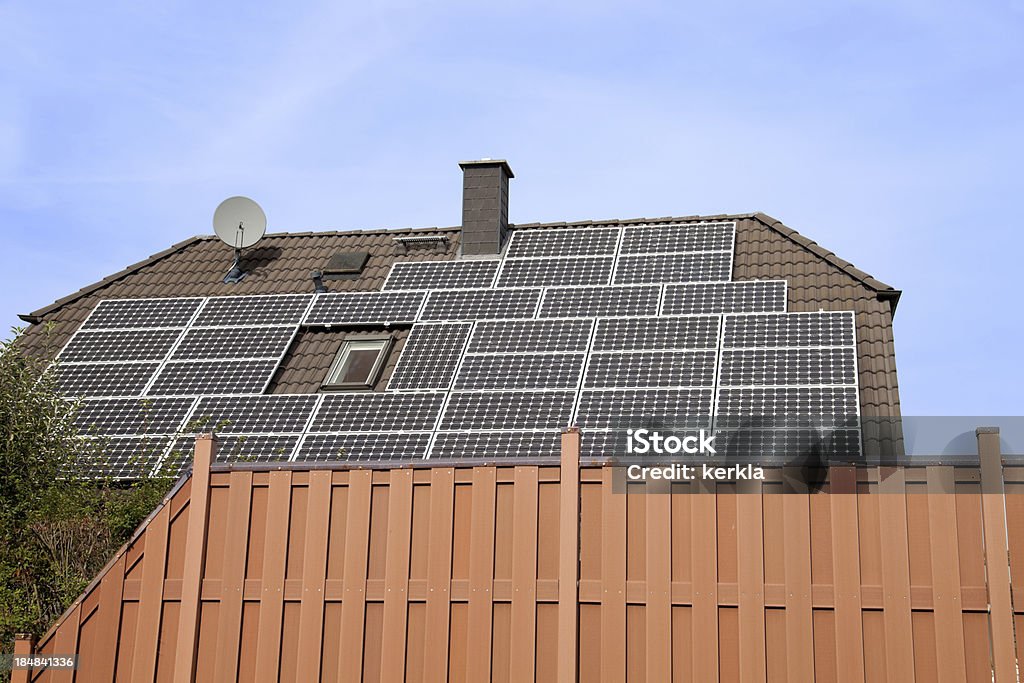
(486, 162)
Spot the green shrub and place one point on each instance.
(58, 526)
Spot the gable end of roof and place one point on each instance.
(883, 291)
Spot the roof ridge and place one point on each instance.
(883, 290)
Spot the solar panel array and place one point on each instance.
(607, 328)
(188, 347)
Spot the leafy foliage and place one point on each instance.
(58, 526)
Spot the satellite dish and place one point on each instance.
(239, 222)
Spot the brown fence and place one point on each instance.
(545, 573)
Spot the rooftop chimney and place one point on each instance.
(484, 205)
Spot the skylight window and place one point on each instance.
(358, 363)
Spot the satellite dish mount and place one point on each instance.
(239, 222)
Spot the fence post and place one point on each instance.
(569, 556)
(24, 644)
(997, 567)
(195, 556)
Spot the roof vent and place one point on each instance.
(439, 242)
(345, 265)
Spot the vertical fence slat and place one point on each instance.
(314, 573)
(658, 612)
(108, 628)
(750, 573)
(996, 559)
(396, 576)
(151, 597)
(568, 555)
(613, 579)
(524, 574)
(796, 513)
(849, 627)
(949, 623)
(357, 548)
(268, 637)
(439, 573)
(705, 582)
(481, 575)
(187, 646)
(108, 623)
(67, 643)
(229, 626)
(899, 628)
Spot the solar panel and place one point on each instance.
(274, 309)
(593, 302)
(119, 345)
(236, 448)
(556, 271)
(493, 445)
(103, 379)
(563, 242)
(520, 371)
(725, 297)
(180, 378)
(125, 313)
(786, 406)
(373, 446)
(602, 444)
(364, 307)
(630, 408)
(651, 369)
(123, 416)
(253, 414)
(674, 268)
(521, 336)
(379, 411)
(661, 239)
(680, 332)
(766, 367)
(120, 457)
(234, 342)
(508, 410)
(430, 356)
(794, 329)
(788, 445)
(256, 447)
(442, 274)
(478, 304)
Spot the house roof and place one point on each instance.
(763, 249)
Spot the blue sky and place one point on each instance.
(890, 132)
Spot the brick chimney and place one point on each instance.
(484, 205)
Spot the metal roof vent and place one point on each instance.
(439, 242)
(345, 265)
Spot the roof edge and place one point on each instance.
(824, 254)
(37, 315)
(883, 292)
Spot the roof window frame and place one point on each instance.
(350, 343)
